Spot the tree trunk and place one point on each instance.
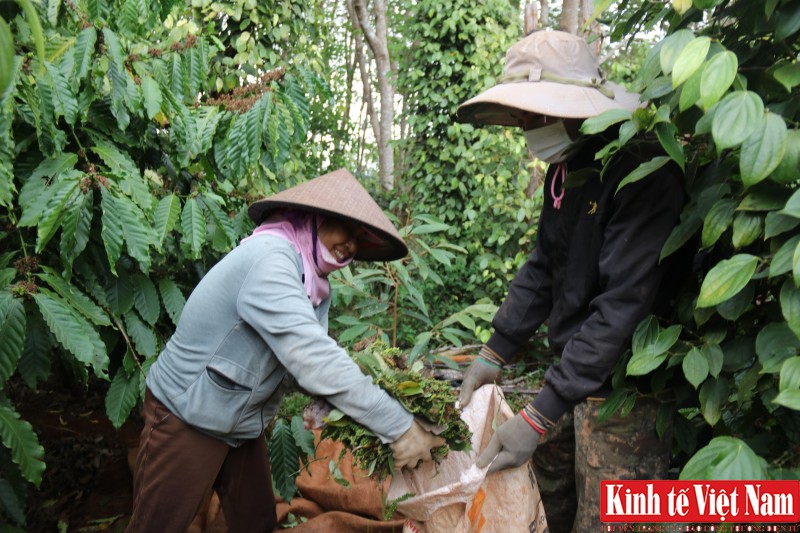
(569, 16)
(544, 13)
(377, 40)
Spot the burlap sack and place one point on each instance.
(458, 497)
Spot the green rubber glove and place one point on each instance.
(512, 444)
(479, 373)
(414, 446)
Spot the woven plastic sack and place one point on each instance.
(457, 497)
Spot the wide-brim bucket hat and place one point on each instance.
(339, 194)
(551, 73)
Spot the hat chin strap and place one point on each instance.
(537, 74)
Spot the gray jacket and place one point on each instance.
(248, 330)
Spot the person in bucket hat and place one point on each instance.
(255, 326)
(593, 274)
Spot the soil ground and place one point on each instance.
(87, 484)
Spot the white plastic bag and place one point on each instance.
(457, 497)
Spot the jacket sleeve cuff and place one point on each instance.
(550, 404)
(502, 346)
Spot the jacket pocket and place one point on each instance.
(219, 399)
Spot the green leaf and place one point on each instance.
(786, 172)
(776, 224)
(75, 228)
(747, 227)
(690, 91)
(763, 150)
(672, 47)
(118, 162)
(788, 75)
(714, 357)
(12, 506)
(119, 293)
(63, 194)
(34, 195)
(75, 297)
(303, 437)
(19, 437)
(193, 227)
(666, 133)
(718, 220)
(167, 213)
(83, 55)
(119, 78)
(717, 77)
(613, 403)
(643, 170)
(6, 57)
(650, 355)
(151, 94)
(739, 114)
(72, 331)
(788, 398)
(790, 305)
(726, 278)
(695, 367)
(172, 297)
(34, 364)
(12, 333)
(774, 344)
(145, 298)
(604, 120)
(112, 231)
(132, 224)
(66, 103)
(283, 456)
(724, 458)
(689, 60)
(141, 334)
(712, 396)
(782, 260)
(123, 393)
(792, 207)
(732, 308)
(790, 374)
(680, 235)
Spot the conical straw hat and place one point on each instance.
(339, 194)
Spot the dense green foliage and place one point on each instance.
(474, 179)
(128, 152)
(724, 104)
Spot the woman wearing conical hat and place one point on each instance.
(254, 325)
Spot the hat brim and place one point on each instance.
(501, 104)
(377, 246)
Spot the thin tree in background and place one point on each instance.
(376, 36)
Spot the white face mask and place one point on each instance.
(549, 143)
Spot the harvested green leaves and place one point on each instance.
(425, 397)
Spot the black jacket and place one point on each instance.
(594, 272)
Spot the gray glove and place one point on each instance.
(414, 445)
(512, 444)
(484, 369)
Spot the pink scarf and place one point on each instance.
(300, 229)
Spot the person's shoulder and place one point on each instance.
(268, 247)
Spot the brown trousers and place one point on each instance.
(177, 467)
(579, 452)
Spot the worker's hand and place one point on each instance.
(486, 368)
(512, 444)
(414, 446)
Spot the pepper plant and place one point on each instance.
(722, 86)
